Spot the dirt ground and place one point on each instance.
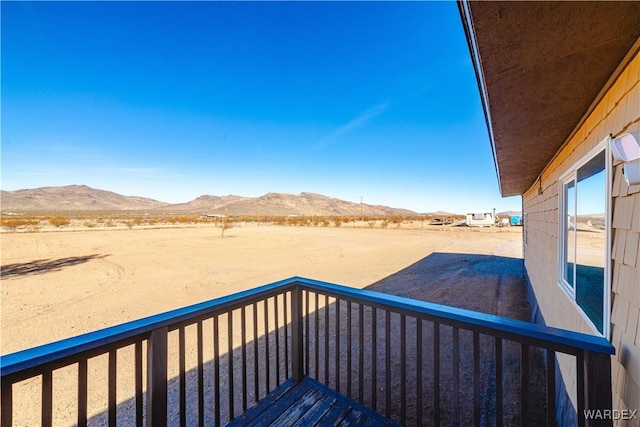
(60, 284)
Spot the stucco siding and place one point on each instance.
(617, 112)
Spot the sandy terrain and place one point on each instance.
(61, 284)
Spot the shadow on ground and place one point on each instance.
(42, 266)
(484, 283)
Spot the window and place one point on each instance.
(584, 210)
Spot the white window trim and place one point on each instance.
(569, 291)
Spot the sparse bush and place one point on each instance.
(59, 221)
(372, 224)
(14, 223)
(385, 223)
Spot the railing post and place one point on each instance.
(297, 366)
(6, 395)
(157, 377)
(597, 388)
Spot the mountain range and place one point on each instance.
(84, 198)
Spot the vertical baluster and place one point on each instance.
(403, 369)
(551, 387)
(499, 388)
(230, 362)
(360, 353)
(82, 392)
(200, 374)
(596, 374)
(47, 403)
(243, 336)
(266, 345)
(182, 376)
(349, 348)
(436, 373)
(580, 389)
(156, 403)
(524, 385)
(317, 337)
(216, 368)
(306, 331)
(256, 372)
(456, 376)
(387, 357)
(276, 315)
(419, 371)
(326, 339)
(337, 344)
(6, 403)
(476, 379)
(297, 363)
(112, 387)
(138, 381)
(285, 310)
(374, 359)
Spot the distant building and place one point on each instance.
(481, 218)
(557, 80)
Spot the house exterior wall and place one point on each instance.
(617, 112)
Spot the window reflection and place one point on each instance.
(570, 233)
(590, 238)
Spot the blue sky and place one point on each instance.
(175, 100)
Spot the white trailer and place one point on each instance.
(481, 218)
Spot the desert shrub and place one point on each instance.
(337, 221)
(59, 221)
(385, 223)
(372, 224)
(89, 224)
(395, 219)
(325, 223)
(14, 223)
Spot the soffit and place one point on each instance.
(543, 64)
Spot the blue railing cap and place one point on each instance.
(533, 330)
(32, 357)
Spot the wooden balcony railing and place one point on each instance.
(416, 362)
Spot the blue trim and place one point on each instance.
(48, 353)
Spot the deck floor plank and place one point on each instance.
(309, 403)
(317, 412)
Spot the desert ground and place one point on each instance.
(63, 283)
(59, 284)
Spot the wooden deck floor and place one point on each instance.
(309, 403)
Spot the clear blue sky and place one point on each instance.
(175, 100)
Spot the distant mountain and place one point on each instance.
(441, 214)
(72, 198)
(308, 204)
(83, 198)
(204, 203)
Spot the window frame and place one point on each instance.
(568, 176)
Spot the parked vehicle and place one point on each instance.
(481, 218)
